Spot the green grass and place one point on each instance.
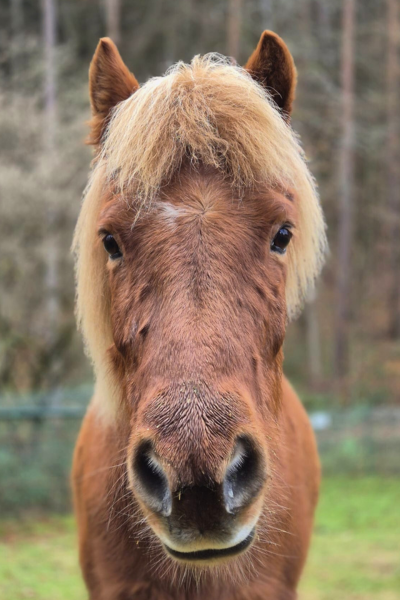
(355, 552)
(38, 560)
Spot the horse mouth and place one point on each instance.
(213, 553)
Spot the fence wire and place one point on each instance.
(37, 440)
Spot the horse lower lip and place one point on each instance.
(213, 553)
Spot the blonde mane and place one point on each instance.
(208, 112)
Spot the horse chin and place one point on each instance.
(210, 557)
(208, 551)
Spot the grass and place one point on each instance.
(355, 553)
(38, 560)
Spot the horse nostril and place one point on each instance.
(151, 481)
(244, 476)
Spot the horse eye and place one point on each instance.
(281, 240)
(111, 246)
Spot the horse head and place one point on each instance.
(199, 235)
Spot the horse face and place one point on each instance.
(197, 310)
(198, 318)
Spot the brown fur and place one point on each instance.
(272, 65)
(110, 82)
(188, 339)
(119, 555)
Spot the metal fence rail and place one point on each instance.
(38, 413)
(37, 437)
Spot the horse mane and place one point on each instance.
(207, 112)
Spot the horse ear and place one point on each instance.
(272, 65)
(110, 82)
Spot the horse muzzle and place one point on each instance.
(208, 522)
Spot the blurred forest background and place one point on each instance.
(343, 353)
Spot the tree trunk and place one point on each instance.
(113, 9)
(234, 27)
(49, 35)
(17, 23)
(267, 15)
(392, 161)
(346, 200)
(305, 23)
(51, 276)
(313, 343)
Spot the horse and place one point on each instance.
(196, 473)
